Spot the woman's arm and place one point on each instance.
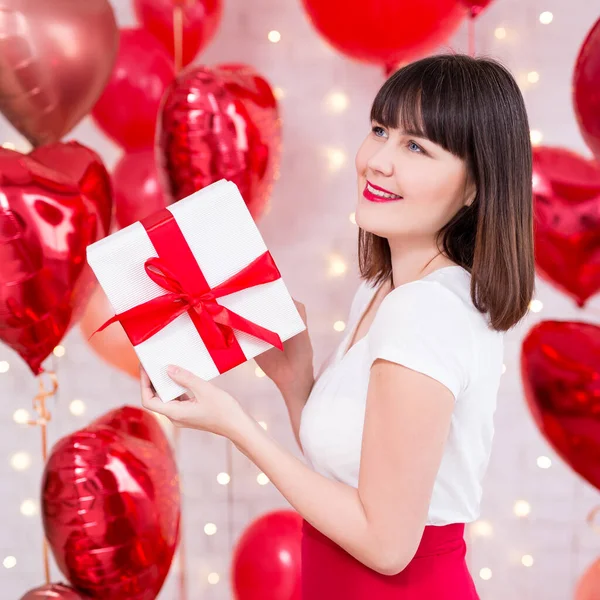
(295, 395)
(406, 425)
(381, 522)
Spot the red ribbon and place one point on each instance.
(177, 271)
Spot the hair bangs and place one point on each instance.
(422, 100)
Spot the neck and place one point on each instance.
(412, 261)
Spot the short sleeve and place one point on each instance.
(425, 327)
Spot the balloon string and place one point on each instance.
(471, 35)
(178, 36)
(39, 406)
(591, 519)
(181, 554)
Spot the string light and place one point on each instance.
(482, 529)
(339, 325)
(535, 306)
(263, 425)
(503, 369)
(9, 562)
(522, 508)
(336, 158)
(77, 407)
(29, 507)
(59, 351)
(536, 137)
(223, 478)
(262, 479)
(210, 529)
(259, 372)
(500, 33)
(278, 93)
(485, 573)
(533, 76)
(352, 218)
(543, 462)
(546, 17)
(337, 266)
(213, 578)
(274, 36)
(21, 416)
(20, 461)
(4, 366)
(527, 560)
(337, 102)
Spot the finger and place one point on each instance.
(183, 377)
(155, 404)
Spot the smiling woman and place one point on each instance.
(397, 428)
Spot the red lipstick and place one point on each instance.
(372, 196)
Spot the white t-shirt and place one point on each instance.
(432, 327)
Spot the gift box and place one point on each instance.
(194, 285)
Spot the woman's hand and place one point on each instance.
(295, 363)
(205, 406)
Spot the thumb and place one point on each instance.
(182, 376)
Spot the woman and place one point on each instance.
(397, 427)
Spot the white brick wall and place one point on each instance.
(308, 222)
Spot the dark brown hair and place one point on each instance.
(473, 108)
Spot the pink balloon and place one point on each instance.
(53, 591)
(588, 587)
(586, 90)
(111, 344)
(137, 189)
(267, 558)
(128, 107)
(56, 60)
(201, 20)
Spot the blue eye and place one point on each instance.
(414, 147)
(377, 130)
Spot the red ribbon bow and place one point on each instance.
(177, 271)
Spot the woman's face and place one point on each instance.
(432, 184)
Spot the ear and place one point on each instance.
(470, 192)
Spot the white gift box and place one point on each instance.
(223, 239)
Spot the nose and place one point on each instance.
(381, 161)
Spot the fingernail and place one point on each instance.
(172, 370)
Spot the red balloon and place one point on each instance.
(53, 591)
(586, 89)
(86, 167)
(129, 104)
(385, 31)
(111, 506)
(476, 7)
(46, 222)
(201, 20)
(566, 191)
(238, 137)
(138, 191)
(266, 562)
(560, 362)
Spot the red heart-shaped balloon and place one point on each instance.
(111, 506)
(56, 201)
(566, 191)
(220, 123)
(560, 368)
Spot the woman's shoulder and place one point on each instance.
(441, 298)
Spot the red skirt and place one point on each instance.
(438, 570)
